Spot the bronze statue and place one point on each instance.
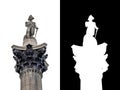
(31, 27)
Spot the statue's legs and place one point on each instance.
(28, 33)
(32, 30)
(90, 32)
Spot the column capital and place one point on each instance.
(29, 57)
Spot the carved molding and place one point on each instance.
(30, 58)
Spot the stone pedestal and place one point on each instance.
(30, 64)
(32, 41)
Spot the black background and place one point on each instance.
(73, 14)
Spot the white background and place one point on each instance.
(13, 14)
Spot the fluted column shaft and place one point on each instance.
(31, 79)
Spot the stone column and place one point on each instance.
(30, 64)
(30, 58)
(31, 79)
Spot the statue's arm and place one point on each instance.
(37, 28)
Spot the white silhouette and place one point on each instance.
(90, 58)
(91, 26)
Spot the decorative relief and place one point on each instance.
(30, 58)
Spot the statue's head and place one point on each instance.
(30, 18)
(90, 18)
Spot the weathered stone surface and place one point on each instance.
(30, 64)
(31, 27)
(31, 79)
(30, 58)
(30, 40)
(24, 47)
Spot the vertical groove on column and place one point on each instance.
(31, 80)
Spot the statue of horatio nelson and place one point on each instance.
(31, 27)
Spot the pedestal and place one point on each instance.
(32, 41)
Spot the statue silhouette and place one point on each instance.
(91, 26)
(90, 59)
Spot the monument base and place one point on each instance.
(32, 41)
